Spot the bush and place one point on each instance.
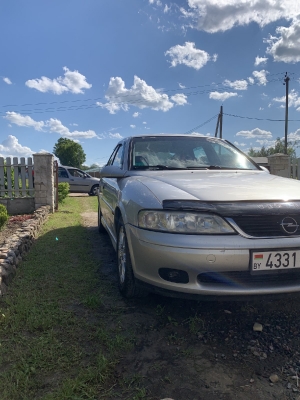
(3, 215)
(63, 191)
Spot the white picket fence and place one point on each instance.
(295, 169)
(16, 177)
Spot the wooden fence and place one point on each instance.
(16, 178)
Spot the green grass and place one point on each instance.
(50, 347)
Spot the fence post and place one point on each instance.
(43, 180)
(280, 165)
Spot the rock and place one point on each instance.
(289, 386)
(273, 378)
(227, 312)
(251, 380)
(257, 327)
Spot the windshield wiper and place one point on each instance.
(159, 166)
(205, 167)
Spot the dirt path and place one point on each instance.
(187, 350)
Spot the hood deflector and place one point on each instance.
(237, 208)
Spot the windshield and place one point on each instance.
(178, 152)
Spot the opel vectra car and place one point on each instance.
(79, 181)
(192, 215)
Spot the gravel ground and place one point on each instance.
(204, 350)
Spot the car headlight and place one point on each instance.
(183, 222)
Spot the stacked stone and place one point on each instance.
(16, 246)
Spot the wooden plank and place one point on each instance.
(8, 175)
(23, 176)
(2, 180)
(16, 177)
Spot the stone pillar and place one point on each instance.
(43, 180)
(280, 165)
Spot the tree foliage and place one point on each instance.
(278, 148)
(69, 152)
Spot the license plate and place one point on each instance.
(275, 260)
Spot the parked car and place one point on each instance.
(79, 181)
(192, 215)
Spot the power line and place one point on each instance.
(200, 126)
(217, 86)
(261, 119)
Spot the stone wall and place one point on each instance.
(280, 165)
(16, 246)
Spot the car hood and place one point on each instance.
(220, 186)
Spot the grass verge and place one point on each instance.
(52, 345)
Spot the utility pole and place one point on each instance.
(219, 123)
(286, 83)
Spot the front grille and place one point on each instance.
(245, 279)
(264, 225)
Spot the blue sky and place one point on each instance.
(94, 71)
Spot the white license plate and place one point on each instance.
(275, 260)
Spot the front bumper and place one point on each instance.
(216, 265)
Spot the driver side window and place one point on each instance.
(117, 157)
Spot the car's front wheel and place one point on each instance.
(94, 190)
(127, 284)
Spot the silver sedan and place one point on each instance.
(191, 216)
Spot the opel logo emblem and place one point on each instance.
(289, 225)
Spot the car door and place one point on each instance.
(110, 189)
(78, 182)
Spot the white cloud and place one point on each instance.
(260, 60)
(181, 86)
(189, 56)
(157, 2)
(261, 77)
(7, 80)
(56, 126)
(236, 85)
(52, 125)
(139, 95)
(72, 81)
(24, 120)
(294, 99)
(221, 15)
(136, 114)
(239, 144)
(251, 80)
(115, 136)
(144, 123)
(166, 8)
(221, 96)
(132, 126)
(180, 99)
(11, 147)
(285, 46)
(294, 136)
(255, 133)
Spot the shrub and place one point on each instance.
(3, 215)
(63, 191)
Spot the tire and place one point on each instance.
(126, 278)
(101, 228)
(94, 190)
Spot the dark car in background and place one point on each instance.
(79, 181)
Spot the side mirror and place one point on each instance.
(112, 171)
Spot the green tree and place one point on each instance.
(69, 152)
(278, 148)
